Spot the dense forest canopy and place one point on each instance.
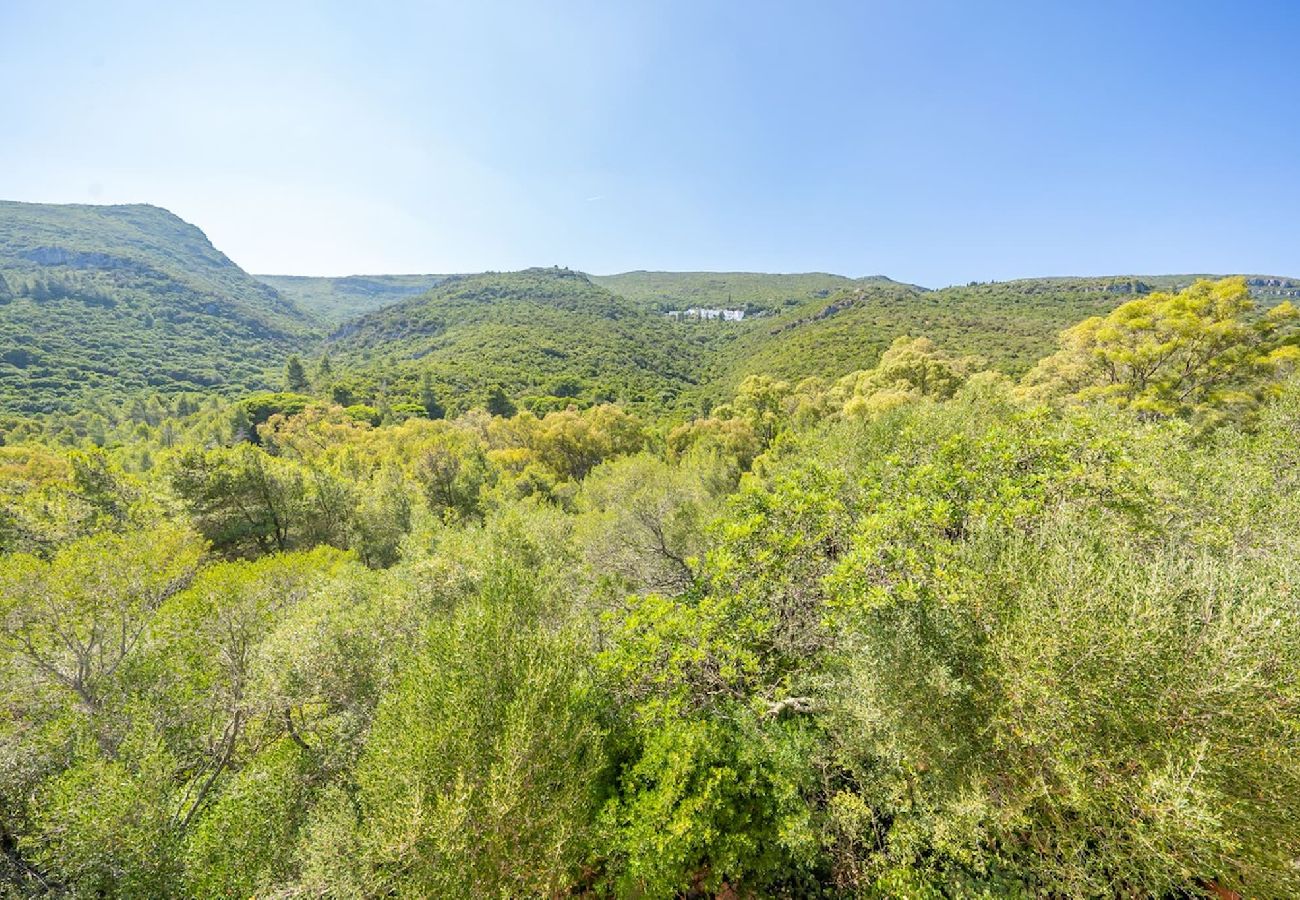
(513, 585)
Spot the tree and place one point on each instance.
(910, 368)
(295, 376)
(342, 395)
(429, 397)
(453, 470)
(498, 404)
(761, 402)
(248, 503)
(643, 520)
(1195, 354)
(570, 443)
(483, 772)
(75, 620)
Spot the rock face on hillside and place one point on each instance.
(111, 301)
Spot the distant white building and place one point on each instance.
(695, 312)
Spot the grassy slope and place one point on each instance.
(107, 301)
(111, 300)
(529, 331)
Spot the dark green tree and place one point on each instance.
(429, 398)
(295, 376)
(342, 395)
(498, 404)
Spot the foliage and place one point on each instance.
(107, 302)
(753, 292)
(484, 768)
(519, 332)
(890, 629)
(1192, 354)
(336, 300)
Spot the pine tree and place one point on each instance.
(295, 377)
(498, 404)
(342, 395)
(429, 398)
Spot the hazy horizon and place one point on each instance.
(606, 274)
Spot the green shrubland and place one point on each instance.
(917, 629)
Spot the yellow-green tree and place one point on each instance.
(910, 368)
(1199, 353)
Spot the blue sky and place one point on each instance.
(935, 142)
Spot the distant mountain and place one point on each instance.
(545, 334)
(107, 301)
(335, 300)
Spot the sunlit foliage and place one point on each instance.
(909, 629)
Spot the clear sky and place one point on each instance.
(935, 142)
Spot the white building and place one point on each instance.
(695, 312)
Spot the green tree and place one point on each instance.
(74, 621)
(1198, 353)
(429, 397)
(295, 376)
(247, 502)
(342, 395)
(483, 773)
(453, 470)
(910, 368)
(643, 521)
(498, 404)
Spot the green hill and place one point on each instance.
(101, 303)
(109, 301)
(1012, 324)
(546, 335)
(335, 300)
(540, 333)
(752, 291)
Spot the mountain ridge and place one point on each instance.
(113, 301)
(119, 299)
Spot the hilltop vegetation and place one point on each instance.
(1010, 324)
(754, 292)
(543, 335)
(99, 303)
(921, 630)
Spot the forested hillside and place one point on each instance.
(544, 336)
(105, 309)
(335, 300)
(752, 291)
(99, 303)
(922, 630)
